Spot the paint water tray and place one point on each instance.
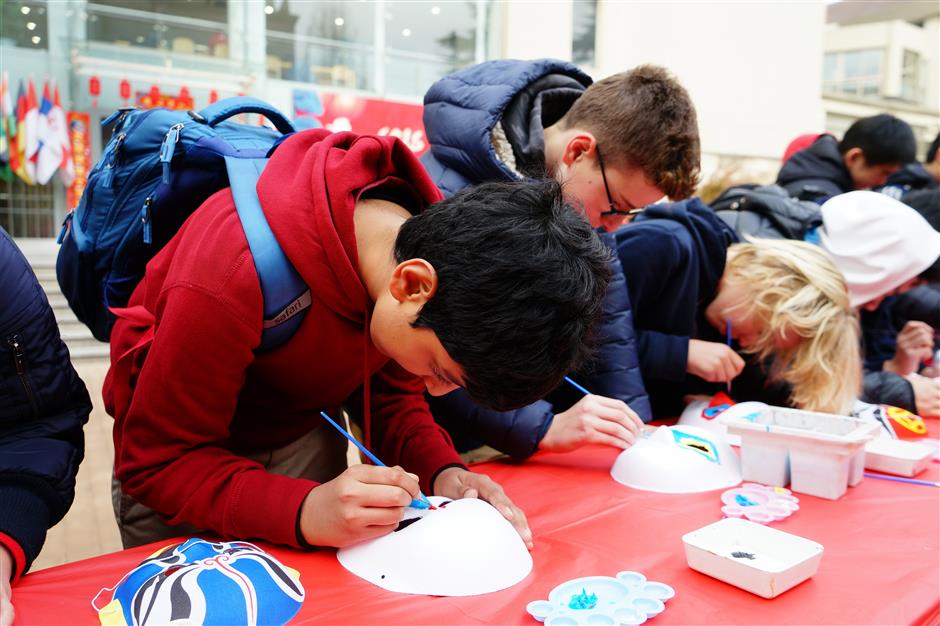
(627, 598)
(815, 453)
(754, 557)
(894, 456)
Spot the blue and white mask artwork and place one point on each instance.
(201, 582)
(678, 459)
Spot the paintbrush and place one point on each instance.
(729, 345)
(913, 481)
(577, 386)
(420, 503)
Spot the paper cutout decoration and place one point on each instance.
(627, 598)
(906, 424)
(199, 582)
(462, 548)
(678, 459)
(759, 503)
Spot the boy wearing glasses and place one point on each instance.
(617, 145)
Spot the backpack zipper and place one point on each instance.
(13, 341)
(145, 218)
(168, 149)
(109, 170)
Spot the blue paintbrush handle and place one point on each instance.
(420, 503)
(577, 386)
(912, 481)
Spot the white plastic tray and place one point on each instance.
(754, 557)
(815, 453)
(894, 456)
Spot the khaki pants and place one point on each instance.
(319, 455)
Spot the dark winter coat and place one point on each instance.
(510, 103)
(43, 407)
(766, 212)
(817, 172)
(673, 256)
(911, 177)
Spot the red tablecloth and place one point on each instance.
(881, 563)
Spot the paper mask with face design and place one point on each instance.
(202, 582)
(678, 459)
(462, 548)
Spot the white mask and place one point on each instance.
(678, 459)
(463, 548)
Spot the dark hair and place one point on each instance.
(927, 203)
(521, 279)
(644, 118)
(884, 139)
(932, 150)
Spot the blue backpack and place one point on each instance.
(159, 167)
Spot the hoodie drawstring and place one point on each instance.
(366, 386)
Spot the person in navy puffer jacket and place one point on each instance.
(43, 407)
(617, 145)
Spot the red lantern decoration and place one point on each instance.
(213, 96)
(184, 93)
(125, 89)
(94, 86)
(154, 96)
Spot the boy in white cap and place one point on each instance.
(883, 248)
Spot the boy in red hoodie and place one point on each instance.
(494, 290)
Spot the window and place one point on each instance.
(425, 41)
(583, 29)
(24, 25)
(197, 27)
(391, 47)
(324, 43)
(910, 77)
(854, 72)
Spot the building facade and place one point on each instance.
(754, 70)
(883, 57)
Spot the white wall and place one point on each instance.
(754, 70)
(532, 30)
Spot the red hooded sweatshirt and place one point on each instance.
(186, 388)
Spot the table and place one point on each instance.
(881, 563)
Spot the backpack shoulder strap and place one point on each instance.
(286, 296)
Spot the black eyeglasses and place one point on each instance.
(612, 208)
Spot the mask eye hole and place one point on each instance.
(698, 444)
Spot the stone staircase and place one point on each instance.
(41, 254)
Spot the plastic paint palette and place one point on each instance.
(759, 503)
(627, 598)
(756, 558)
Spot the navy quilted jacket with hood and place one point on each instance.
(485, 123)
(43, 406)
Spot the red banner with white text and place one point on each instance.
(80, 139)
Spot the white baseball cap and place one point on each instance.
(877, 242)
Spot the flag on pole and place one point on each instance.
(50, 142)
(18, 156)
(6, 130)
(31, 124)
(61, 129)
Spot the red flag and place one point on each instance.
(31, 152)
(67, 166)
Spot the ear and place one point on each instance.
(413, 281)
(580, 145)
(853, 157)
